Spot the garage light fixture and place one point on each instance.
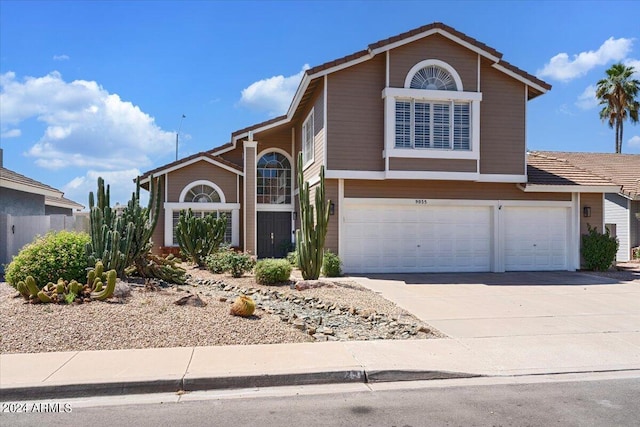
(586, 211)
(332, 209)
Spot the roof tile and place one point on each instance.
(620, 169)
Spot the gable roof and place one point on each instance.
(621, 169)
(19, 182)
(16, 181)
(62, 202)
(538, 87)
(203, 155)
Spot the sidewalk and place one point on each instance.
(598, 330)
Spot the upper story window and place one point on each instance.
(432, 116)
(274, 179)
(307, 140)
(433, 77)
(202, 193)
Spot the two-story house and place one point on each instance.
(423, 140)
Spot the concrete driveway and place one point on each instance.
(535, 319)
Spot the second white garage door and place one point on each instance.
(535, 238)
(408, 238)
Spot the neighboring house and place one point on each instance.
(621, 209)
(22, 199)
(423, 140)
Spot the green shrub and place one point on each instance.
(230, 261)
(272, 271)
(292, 258)
(51, 257)
(635, 253)
(216, 262)
(331, 265)
(598, 250)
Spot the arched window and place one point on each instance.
(433, 77)
(274, 179)
(202, 194)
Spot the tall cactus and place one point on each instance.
(200, 237)
(310, 238)
(119, 241)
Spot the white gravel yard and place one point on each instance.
(149, 318)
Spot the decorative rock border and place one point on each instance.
(323, 320)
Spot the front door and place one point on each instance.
(274, 234)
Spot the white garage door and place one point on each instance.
(416, 238)
(535, 238)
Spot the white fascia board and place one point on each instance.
(344, 65)
(431, 153)
(190, 162)
(519, 78)
(224, 150)
(442, 32)
(537, 188)
(351, 201)
(63, 204)
(302, 88)
(436, 176)
(516, 179)
(29, 189)
(432, 95)
(348, 174)
(197, 206)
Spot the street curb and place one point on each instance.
(274, 380)
(219, 383)
(414, 375)
(89, 390)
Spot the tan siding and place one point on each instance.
(464, 61)
(223, 178)
(250, 202)
(235, 155)
(355, 120)
(409, 189)
(596, 203)
(317, 103)
(502, 123)
(434, 165)
(275, 138)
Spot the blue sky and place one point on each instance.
(99, 88)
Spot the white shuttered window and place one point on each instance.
(438, 125)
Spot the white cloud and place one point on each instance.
(13, 133)
(634, 141)
(564, 109)
(120, 182)
(273, 94)
(60, 57)
(635, 63)
(560, 67)
(86, 126)
(587, 99)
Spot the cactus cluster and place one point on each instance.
(162, 268)
(200, 237)
(100, 286)
(310, 237)
(122, 241)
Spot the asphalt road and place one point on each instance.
(611, 402)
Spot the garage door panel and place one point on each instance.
(421, 238)
(535, 238)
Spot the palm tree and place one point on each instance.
(617, 92)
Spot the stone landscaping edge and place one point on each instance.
(182, 385)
